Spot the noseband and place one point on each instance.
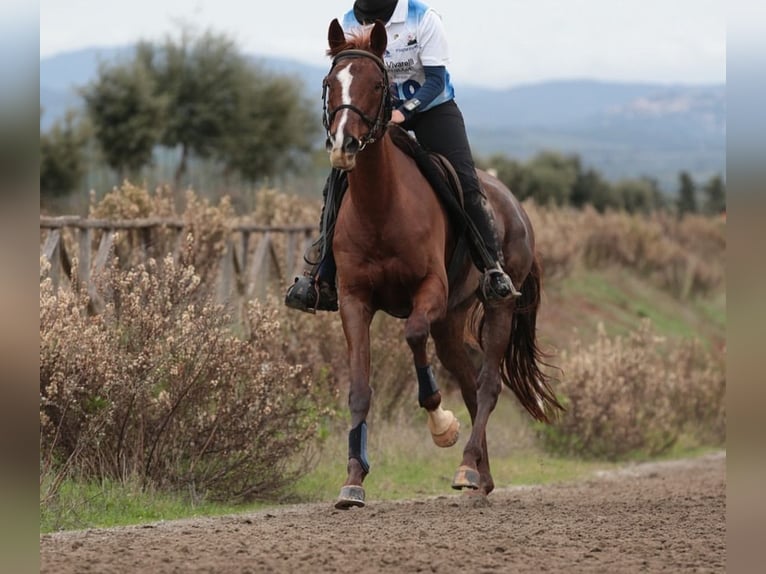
(377, 124)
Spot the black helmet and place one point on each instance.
(367, 11)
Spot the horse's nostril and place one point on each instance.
(350, 144)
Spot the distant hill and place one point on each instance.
(622, 130)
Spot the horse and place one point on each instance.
(393, 242)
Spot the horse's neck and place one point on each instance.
(372, 182)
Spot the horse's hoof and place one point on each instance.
(350, 496)
(466, 477)
(445, 430)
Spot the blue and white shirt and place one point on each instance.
(416, 38)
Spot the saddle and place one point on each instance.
(436, 169)
(442, 177)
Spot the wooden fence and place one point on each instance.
(257, 258)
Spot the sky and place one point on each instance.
(494, 43)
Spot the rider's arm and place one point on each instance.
(432, 87)
(434, 55)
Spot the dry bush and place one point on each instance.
(207, 229)
(206, 226)
(559, 238)
(685, 257)
(157, 387)
(275, 208)
(636, 394)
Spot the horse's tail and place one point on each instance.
(521, 368)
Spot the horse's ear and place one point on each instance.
(378, 38)
(335, 35)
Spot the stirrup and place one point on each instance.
(305, 295)
(496, 285)
(302, 295)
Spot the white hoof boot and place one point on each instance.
(444, 427)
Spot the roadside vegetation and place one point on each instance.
(157, 401)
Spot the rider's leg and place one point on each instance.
(442, 130)
(315, 290)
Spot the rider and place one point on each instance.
(424, 103)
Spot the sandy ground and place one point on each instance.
(658, 517)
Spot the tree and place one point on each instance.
(126, 114)
(275, 127)
(591, 189)
(637, 195)
(508, 170)
(687, 195)
(550, 177)
(221, 106)
(61, 157)
(715, 196)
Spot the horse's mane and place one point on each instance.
(359, 39)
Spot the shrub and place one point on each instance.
(206, 227)
(684, 258)
(636, 393)
(559, 238)
(157, 387)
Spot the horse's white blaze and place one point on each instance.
(345, 78)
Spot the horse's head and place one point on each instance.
(356, 100)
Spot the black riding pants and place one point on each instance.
(442, 130)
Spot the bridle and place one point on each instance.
(377, 124)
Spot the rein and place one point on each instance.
(377, 124)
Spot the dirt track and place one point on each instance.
(648, 518)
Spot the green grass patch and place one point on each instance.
(619, 299)
(79, 505)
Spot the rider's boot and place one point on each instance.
(315, 290)
(495, 284)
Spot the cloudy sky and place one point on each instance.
(497, 43)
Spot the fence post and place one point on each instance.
(51, 253)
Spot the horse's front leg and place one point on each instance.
(356, 316)
(430, 304)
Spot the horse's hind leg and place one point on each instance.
(453, 354)
(497, 324)
(429, 304)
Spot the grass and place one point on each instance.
(108, 503)
(574, 306)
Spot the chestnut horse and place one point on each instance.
(392, 243)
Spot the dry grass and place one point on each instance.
(637, 393)
(684, 257)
